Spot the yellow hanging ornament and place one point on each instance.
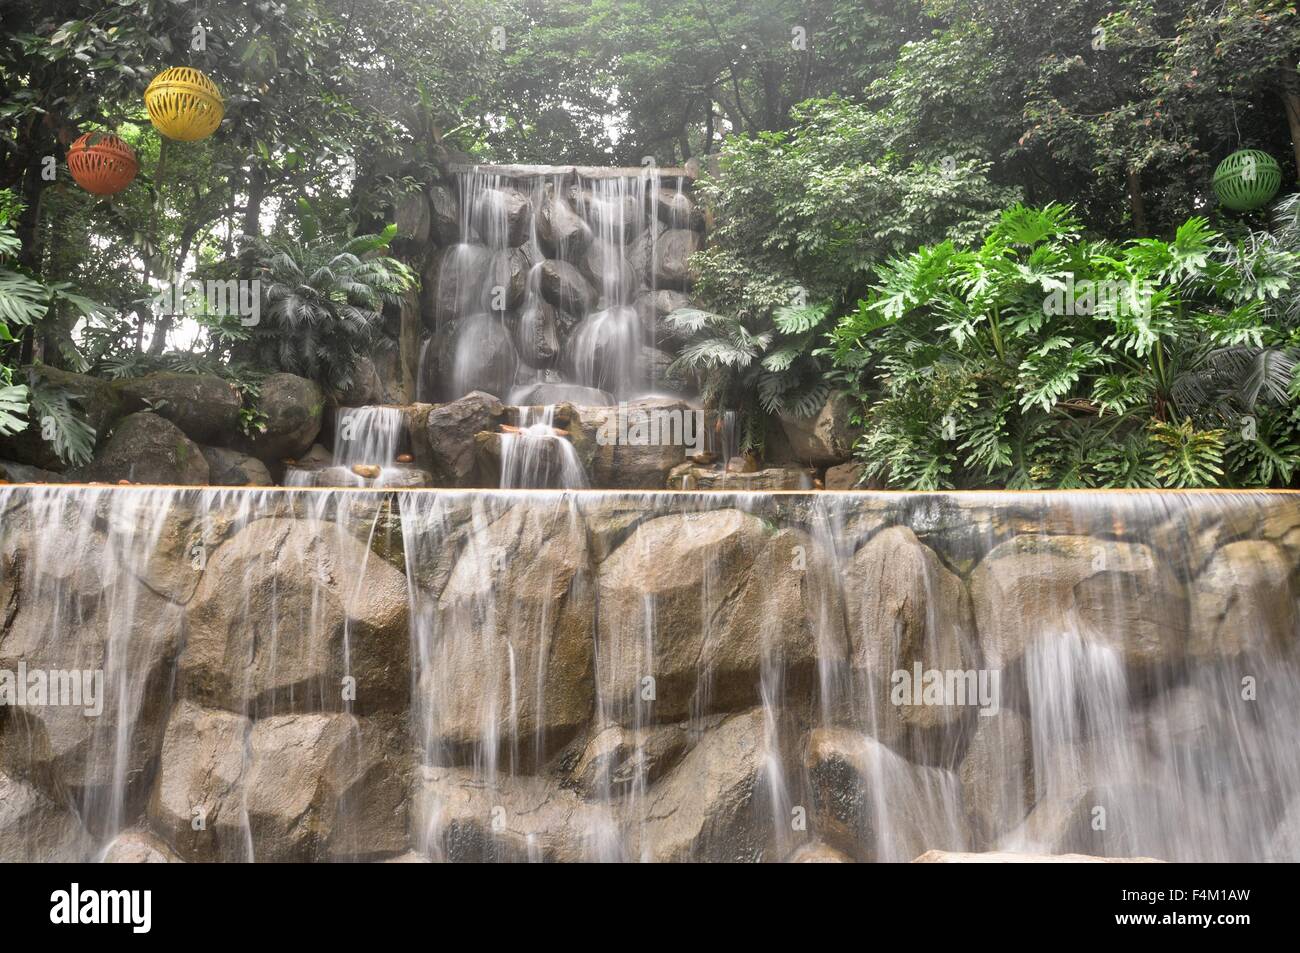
(184, 104)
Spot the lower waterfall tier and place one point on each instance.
(294, 675)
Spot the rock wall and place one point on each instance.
(355, 674)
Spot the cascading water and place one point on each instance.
(554, 282)
(540, 675)
(538, 455)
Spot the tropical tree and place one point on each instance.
(323, 302)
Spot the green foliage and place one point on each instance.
(323, 303)
(1043, 359)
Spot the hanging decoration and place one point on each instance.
(101, 163)
(1247, 179)
(184, 104)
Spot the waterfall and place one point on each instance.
(543, 675)
(553, 283)
(539, 456)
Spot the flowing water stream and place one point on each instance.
(319, 674)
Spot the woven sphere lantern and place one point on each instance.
(1247, 179)
(184, 104)
(101, 163)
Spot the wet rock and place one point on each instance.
(139, 847)
(367, 386)
(872, 804)
(512, 662)
(450, 430)
(639, 449)
(609, 274)
(204, 406)
(713, 806)
(676, 210)
(672, 254)
(1242, 603)
(537, 335)
(477, 353)
(293, 407)
(445, 215)
(80, 616)
(326, 787)
(145, 448)
(22, 473)
(465, 818)
(618, 758)
(36, 829)
(653, 306)
(826, 438)
(502, 217)
(563, 285)
(997, 775)
(325, 609)
(689, 476)
(197, 797)
(816, 852)
(412, 217)
(1117, 595)
(232, 468)
(561, 231)
(769, 608)
(453, 284)
(906, 609)
(541, 395)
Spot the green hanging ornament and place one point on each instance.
(1247, 179)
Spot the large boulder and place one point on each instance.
(1243, 603)
(1031, 590)
(827, 437)
(997, 775)
(618, 759)
(139, 847)
(715, 805)
(875, 805)
(293, 407)
(453, 284)
(537, 334)
(203, 405)
(88, 616)
(563, 285)
(94, 395)
(676, 210)
(447, 450)
(326, 786)
(672, 256)
(145, 448)
(637, 445)
(233, 468)
(476, 353)
(501, 217)
(288, 788)
(197, 801)
(287, 618)
(561, 231)
(610, 274)
(36, 829)
(905, 609)
(463, 817)
(512, 661)
(672, 638)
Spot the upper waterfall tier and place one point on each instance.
(560, 275)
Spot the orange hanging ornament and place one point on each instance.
(101, 163)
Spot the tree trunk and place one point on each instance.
(253, 210)
(1136, 204)
(1291, 101)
